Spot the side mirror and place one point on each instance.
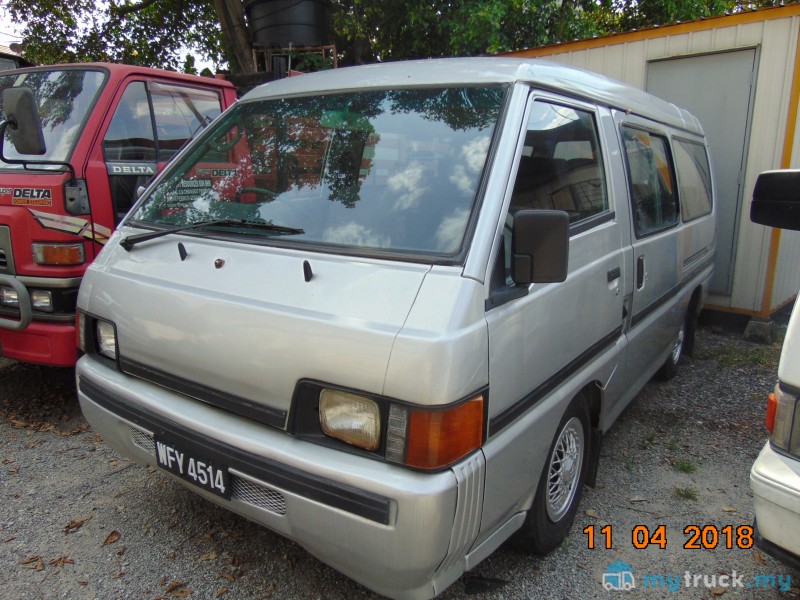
(776, 199)
(22, 120)
(540, 246)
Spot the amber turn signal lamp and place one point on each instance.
(437, 438)
(772, 408)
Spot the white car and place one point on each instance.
(775, 476)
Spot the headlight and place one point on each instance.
(106, 339)
(421, 437)
(783, 420)
(42, 300)
(352, 419)
(8, 296)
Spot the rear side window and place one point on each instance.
(650, 177)
(694, 179)
(561, 167)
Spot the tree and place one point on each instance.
(150, 32)
(397, 29)
(153, 32)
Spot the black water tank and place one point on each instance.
(279, 23)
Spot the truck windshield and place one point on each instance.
(64, 98)
(386, 171)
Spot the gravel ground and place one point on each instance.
(79, 521)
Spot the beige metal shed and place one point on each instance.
(740, 74)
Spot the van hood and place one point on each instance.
(240, 323)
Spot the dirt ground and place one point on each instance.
(79, 521)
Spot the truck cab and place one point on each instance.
(104, 130)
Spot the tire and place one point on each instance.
(560, 485)
(670, 367)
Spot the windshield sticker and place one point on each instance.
(32, 197)
(73, 225)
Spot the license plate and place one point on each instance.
(194, 469)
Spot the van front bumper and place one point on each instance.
(775, 481)
(399, 532)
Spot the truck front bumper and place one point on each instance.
(399, 532)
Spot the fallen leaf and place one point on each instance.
(759, 558)
(208, 556)
(227, 576)
(592, 513)
(34, 563)
(61, 561)
(119, 575)
(728, 509)
(182, 593)
(111, 538)
(222, 591)
(637, 499)
(718, 591)
(175, 585)
(74, 525)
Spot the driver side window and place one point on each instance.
(561, 167)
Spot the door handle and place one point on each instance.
(640, 273)
(613, 274)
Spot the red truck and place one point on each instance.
(105, 131)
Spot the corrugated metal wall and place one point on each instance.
(774, 32)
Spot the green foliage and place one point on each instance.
(397, 29)
(684, 466)
(151, 33)
(686, 493)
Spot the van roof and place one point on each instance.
(484, 70)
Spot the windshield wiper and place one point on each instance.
(131, 240)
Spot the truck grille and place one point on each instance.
(6, 254)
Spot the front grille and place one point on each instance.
(257, 495)
(143, 440)
(6, 253)
(245, 490)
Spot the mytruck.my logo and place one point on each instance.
(619, 576)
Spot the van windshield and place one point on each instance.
(64, 98)
(389, 171)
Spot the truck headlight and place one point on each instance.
(42, 300)
(353, 419)
(8, 296)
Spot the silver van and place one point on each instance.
(389, 311)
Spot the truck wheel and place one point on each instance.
(670, 367)
(560, 486)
